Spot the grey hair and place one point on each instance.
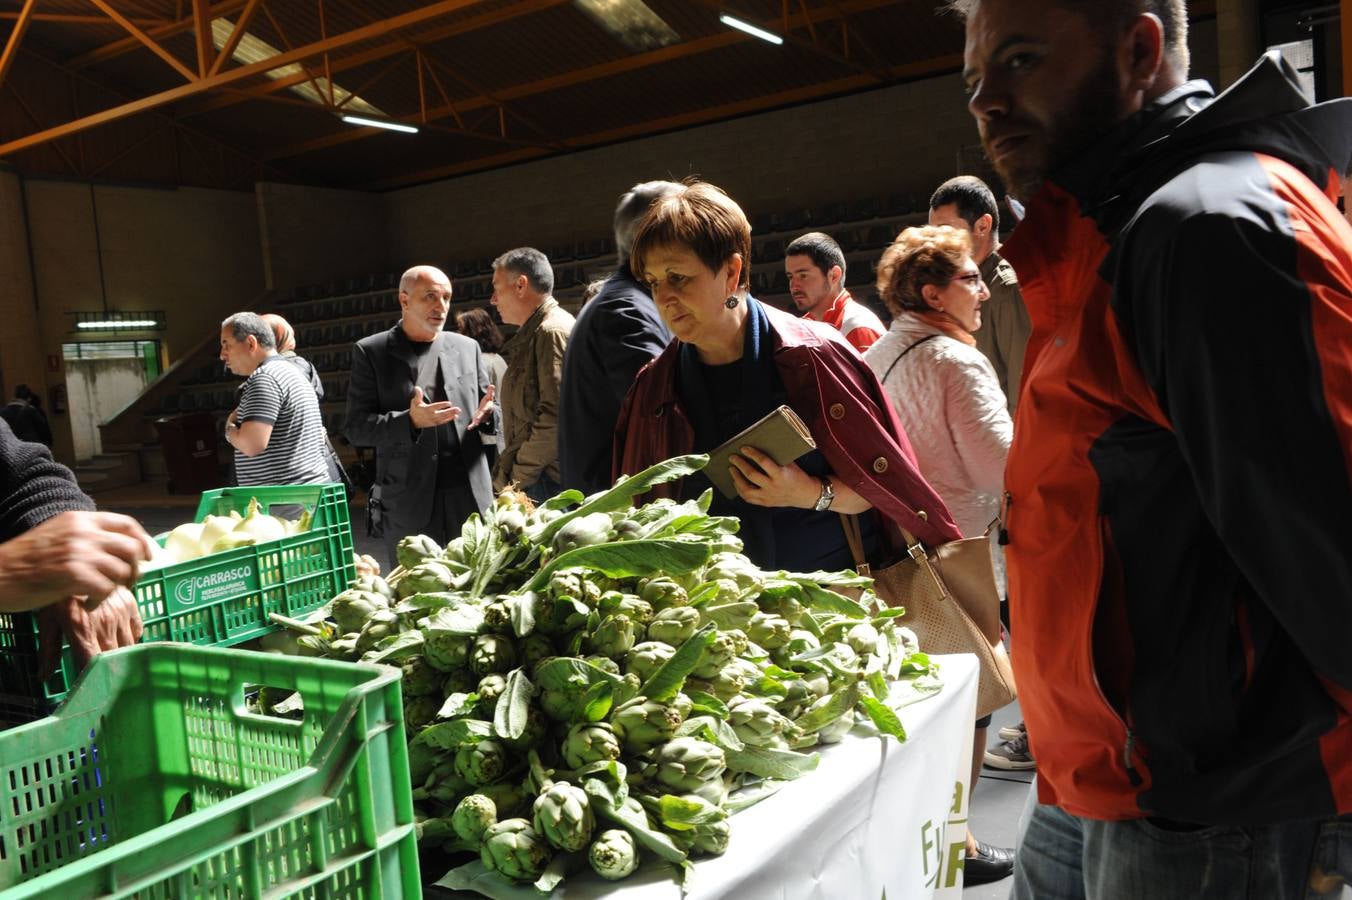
(243, 324)
(529, 262)
(631, 209)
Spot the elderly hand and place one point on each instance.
(430, 415)
(76, 553)
(761, 481)
(90, 627)
(484, 410)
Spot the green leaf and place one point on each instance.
(843, 578)
(669, 678)
(828, 709)
(522, 609)
(707, 704)
(822, 600)
(750, 796)
(429, 602)
(563, 499)
(627, 559)
(918, 664)
(913, 690)
(568, 673)
(457, 705)
(452, 735)
(715, 731)
(622, 495)
(597, 703)
(877, 682)
(884, 719)
(465, 619)
(559, 868)
(686, 813)
(730, 615)
(779, 764)
(513, 709)
(703, 595)
(634, 821)
(395, 647)
(611, 774)
(886, 615)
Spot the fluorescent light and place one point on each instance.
(123, 325)
(380, 123)
(734, 22)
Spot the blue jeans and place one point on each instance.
(1064, 857)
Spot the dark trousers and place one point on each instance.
(451, 506)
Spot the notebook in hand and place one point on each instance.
(781, 435)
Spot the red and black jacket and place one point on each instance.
(1180, 482)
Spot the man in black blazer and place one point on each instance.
(410, 392)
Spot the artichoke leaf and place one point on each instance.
(823, 600)
(767, 763)
(559, 868)
(687, 812)
(667, 681)
(598, 701)
(522, 610)
(622, 494)
(715, 731)
(877, 683)
(707, 704)
(566, 673)
(513, 709)
(627, 559)
(457, 704)
(828, 709)
(465, 619)
(884, 719)
(452, 735)
(752, 794)
(395, 647)
(634, 821)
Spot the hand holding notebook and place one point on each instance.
(781, 435)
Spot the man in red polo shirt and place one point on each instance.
(816, 270)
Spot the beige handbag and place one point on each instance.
(952, 604)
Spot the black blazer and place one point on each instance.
(377, 416)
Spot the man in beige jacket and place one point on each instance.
(966, 202)
(523, 282)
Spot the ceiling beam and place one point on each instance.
(383, 51)
(146, 40)
(222, 79)
(241, 26)
(127, 45)
(72, 19)
(201, 17)
(716, 41)
(16, 38)
(923, 68)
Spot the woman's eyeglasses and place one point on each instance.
(972, 279)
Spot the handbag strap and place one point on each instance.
(916, 550)
(855, 538)
(902, 354)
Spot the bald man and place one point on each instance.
(421, 396)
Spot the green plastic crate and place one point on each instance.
(153, 780)
(217, 600)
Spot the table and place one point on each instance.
(875, 816)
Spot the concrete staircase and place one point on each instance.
(107, 471)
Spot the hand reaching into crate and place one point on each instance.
(76, 553)
(90, 627)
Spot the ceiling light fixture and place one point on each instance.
(381, 123)
(734, 22)
(120, 324)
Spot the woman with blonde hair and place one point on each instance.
(949, 400)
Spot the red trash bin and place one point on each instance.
(189, 444)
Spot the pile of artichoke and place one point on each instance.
(587, 682)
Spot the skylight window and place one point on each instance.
(631, 22)
(251, 49)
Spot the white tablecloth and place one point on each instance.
(875, 816)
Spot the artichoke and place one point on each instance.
(736, 568)
(473, 815)
(769, 630)
(565, 583)
(514, 850)
(420, 711)
(509, 798)
(785, 606)
(313, 645)
(561, 706)
(431, 577)
(533, 649)
(353, 607)
(442, 785)
(663, 593)
(730, 681)
(414, 549)
(759, 724)
(490, 687)
(455, 550)
(674, 625)
(564, 816)
(604, 663)
(481, 763)
(420, 679)
(374, 584)
(380, 624)
(613, 855)
(688, 765)
(720, 651)
(863, 639)
(642, 724)
(498, 615)
(613, 637)
(614, 603)
(590, 742)
(492, 653)
(444, 651)
(511, 521)
(461, 681)
(709, 839)
(646, 658)
(584, 531)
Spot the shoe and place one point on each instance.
(1012, 755)
(989, 864)
(1010, 732)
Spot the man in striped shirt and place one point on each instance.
(816, 269)
(277, 431)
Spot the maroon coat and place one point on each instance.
(839, 399)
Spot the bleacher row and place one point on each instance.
(330, 318)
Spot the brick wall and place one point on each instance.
(314, 235)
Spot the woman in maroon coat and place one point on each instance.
(733, 361)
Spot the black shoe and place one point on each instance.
(989, 864)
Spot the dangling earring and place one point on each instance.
(731, 302)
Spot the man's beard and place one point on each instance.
(1093, 111)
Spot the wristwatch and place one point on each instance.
(828, 494)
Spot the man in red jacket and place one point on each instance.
(1179, 482)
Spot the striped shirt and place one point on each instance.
(278, 394)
